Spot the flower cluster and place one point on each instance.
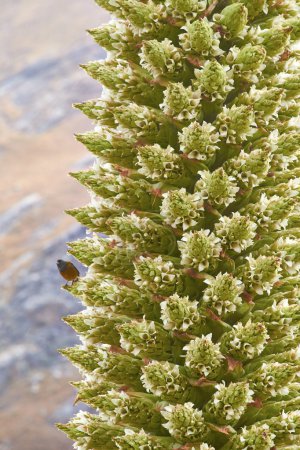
(190, 333)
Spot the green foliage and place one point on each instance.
(190, 336)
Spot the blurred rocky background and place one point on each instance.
(42, 45)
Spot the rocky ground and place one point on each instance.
(44, 42)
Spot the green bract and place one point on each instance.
(190, 334)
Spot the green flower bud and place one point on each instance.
(104, 71)
(248, 60)
(100, 109)
(115, 367)
(200, 250)
(140, 120)
(267, 143)
(223, 294)
(180, 313)
(160, 164)
(245, 342)
(181, 102)
(288, 110)
(235, 124)
(128, 407)
(165, 380)
(236, 232)
(106, 4)
(229, 403)
(181, 209)
(279, 318)
(254, 7)
(233, 20)
(147, 339)
(286, 427)
(92, 387)
(103, 35)
(106, 293)
(133, 440)
(161, 58)
(262, 273)
(105, 402)
(86, 250)
(249, 169)
(112, 149)
(289, 251)
(217, 187)
(288, 142)
(94, 140)
(291, 85)
(91, 432)
(275, 40)
(266, 102)
(199, 38)
(123, 79)
(185, 9)
(255, 437)
(117, 38)
(272, 379)
(199, 141)
(90, 217)
(158, 276)
(84, 357)
(127, 117)
(91, 179)
(118, 187)
(144, 233)
(184, 422)
(114, 260)
(119, 368)
(203, 357)
(272, 213)
(141, 15)
(286, 342)
(93, 109)
(213, 80)
(95, 327)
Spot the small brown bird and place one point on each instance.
(68, 271)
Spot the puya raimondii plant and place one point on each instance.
(190, 335)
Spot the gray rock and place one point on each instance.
(31, 327)
(10, 217)
(83, 163)
(67, 409)
(49, 87)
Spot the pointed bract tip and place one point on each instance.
(63, 351)
(73, 175)
(79, 106)
(79, 137)
(91, 31)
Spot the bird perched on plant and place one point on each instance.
(67, 270)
